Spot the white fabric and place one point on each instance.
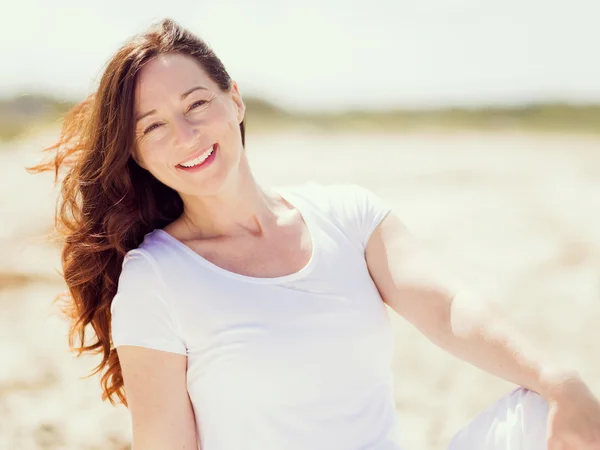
(517, 421)
(297, 362)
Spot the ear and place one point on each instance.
(237, 99)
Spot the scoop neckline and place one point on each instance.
(310, 225)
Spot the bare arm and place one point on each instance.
(451, 315)
(161, 412)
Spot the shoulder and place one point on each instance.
(138, 269)
(150, 254)
(351, 207)
(331, 195)
(141, 312)
(146, 262)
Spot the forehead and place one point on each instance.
(169, 75)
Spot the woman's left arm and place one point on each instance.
(467, 326)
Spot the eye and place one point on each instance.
(197, 103)
(192, 106)
(151, 127)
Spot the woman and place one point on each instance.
(236, 316)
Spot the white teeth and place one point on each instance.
(199, 160)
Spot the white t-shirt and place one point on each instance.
(296, 362)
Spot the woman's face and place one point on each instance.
(187, 130)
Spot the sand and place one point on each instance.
(515, 215)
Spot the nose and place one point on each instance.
(185, 132)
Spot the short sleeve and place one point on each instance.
(140, 313)
(362, 210)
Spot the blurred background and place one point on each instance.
(479, 121)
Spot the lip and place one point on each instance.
(195, 154)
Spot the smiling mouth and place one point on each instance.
(198, 160)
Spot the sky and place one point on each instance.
(328, 54)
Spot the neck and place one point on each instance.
(240, 208)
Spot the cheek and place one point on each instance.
(155, 157)
(222, 120)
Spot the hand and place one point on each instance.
(574, 417)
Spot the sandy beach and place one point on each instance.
(515, 215)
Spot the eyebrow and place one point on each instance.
(183, 96)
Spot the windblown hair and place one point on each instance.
(107, 202)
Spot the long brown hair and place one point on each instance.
(107, 202)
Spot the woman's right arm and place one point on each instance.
(161, 412)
